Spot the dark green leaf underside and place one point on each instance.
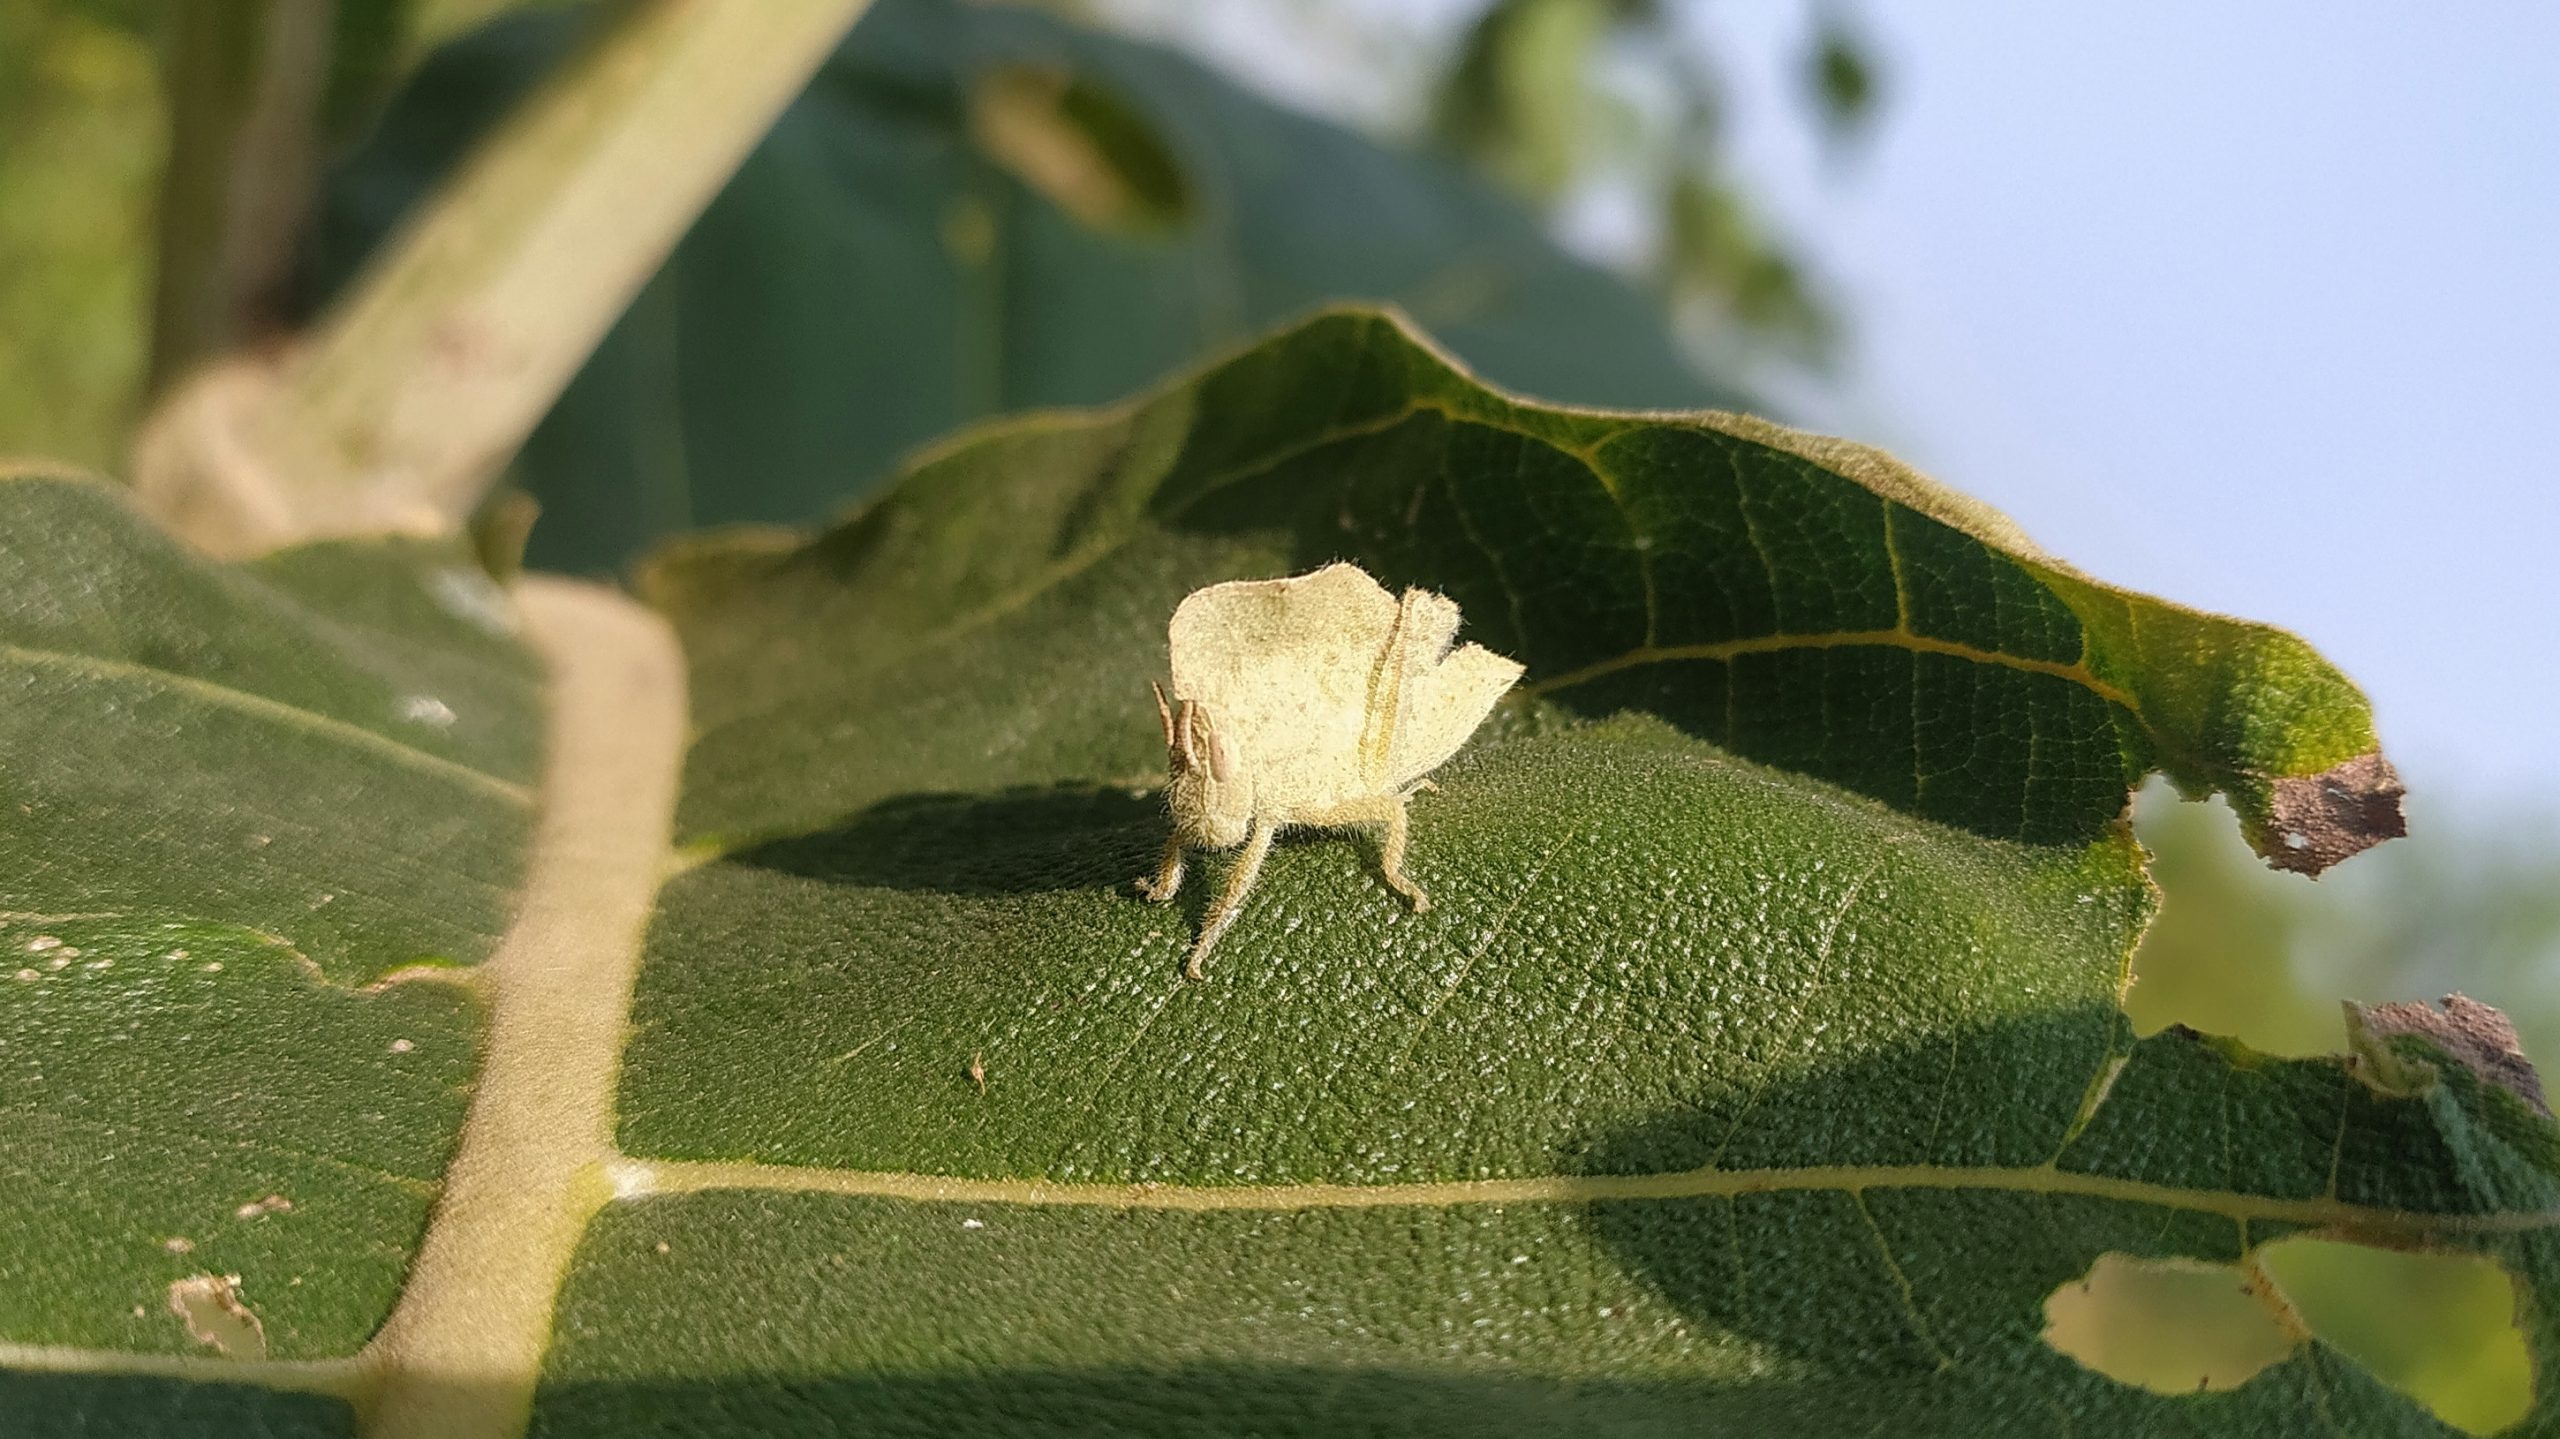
(1801, 602)
(1626, 923)
(1774, 966)
(80, 1406)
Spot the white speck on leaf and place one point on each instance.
(427, 710)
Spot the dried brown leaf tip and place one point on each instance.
(2316, 820)
(2481, 1037)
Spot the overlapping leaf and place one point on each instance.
(1803, 602)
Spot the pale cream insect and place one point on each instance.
(1321, 700)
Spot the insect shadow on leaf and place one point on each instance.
(1016, 841)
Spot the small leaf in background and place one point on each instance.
(1518, 100)
(1840, 73)
(79, 106)
(1717, 256)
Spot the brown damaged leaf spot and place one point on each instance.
(2316, 820)
(2479, 1035)
(209, 1305)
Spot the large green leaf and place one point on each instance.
(258, 826)
(880, 270)
(1759, 1067)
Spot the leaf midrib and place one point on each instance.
(637, 1178)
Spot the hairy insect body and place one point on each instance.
(1319, 701)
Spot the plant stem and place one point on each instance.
(400, 408)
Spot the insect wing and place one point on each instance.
(1286, 669)
(1441, 705)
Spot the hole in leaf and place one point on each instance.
(2437, 1327)
(1087, 150)
(2170, 1326)
(209, 1305)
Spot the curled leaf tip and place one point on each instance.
(2316, 820)
(2480, 1036)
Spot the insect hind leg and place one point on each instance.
(1387, 812)
(1391, 854)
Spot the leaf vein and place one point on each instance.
(276, 712)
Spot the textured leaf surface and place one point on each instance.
(1711, 1091)
(880, 271)
(1759, 1067)
(255, 827)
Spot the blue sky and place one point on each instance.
(2253, 306)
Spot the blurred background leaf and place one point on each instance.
(1578, 104)
(973, 211)
(2469, 904)
(80, 151)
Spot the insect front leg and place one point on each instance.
(1391, 854)
(1166, 882)
(1257, 848)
